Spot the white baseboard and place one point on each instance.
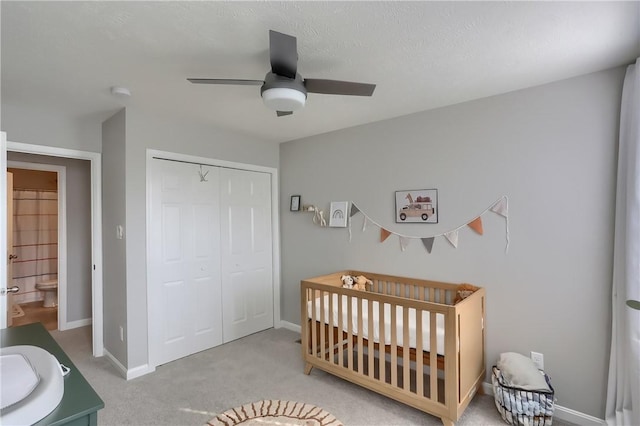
(139, 371)
(560, 412)
(131, 373)
(75, 324)
(114, 361)
(290, 326)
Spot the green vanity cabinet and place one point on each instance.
(80, 403)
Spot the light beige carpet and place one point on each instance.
(275, 412)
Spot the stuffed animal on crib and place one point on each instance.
(347, 281)
(463, 291)
(361, 282)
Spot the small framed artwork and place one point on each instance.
(338, 215)
(295, 203)
(417, 206)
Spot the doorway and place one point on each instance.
(95, 220)
(39, 244)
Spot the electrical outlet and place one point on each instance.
(121, 334)
(538, 359)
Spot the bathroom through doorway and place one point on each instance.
(39, 244)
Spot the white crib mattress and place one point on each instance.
(333, 321)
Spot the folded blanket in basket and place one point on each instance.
(519, 371)
(521, 402)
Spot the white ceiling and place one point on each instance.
(422, 55)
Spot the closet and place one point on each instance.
(210, 256)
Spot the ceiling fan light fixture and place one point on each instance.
(283, 99)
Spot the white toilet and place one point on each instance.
(50, 290)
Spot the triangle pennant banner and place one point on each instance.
(404, 242)
(428, 243)
(501, 207)
(452, 237)
(476, 225)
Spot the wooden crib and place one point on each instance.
(352, 334)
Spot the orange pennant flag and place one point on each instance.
(384, 234)
(476, 225)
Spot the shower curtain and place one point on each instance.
(35, 241)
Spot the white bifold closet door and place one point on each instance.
(210, 254)
(245, 236)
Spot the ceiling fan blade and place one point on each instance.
(226, 81)
(337, 87)
(283, 113)
(283, 54)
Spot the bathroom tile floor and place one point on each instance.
(35, 312)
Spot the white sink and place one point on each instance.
(32, 384)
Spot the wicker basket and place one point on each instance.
(522, 407)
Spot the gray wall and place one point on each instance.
(114, 255)
(50, 128)
(552, 149)
(78, 230)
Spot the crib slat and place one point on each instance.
(381, 353)
(314, 326)
(340, 334)
(406, 351)
(350, 332)
(370, 340)
(323, 327)
(394, 346)
(433, 356)
(419, 354)
(431, 294)
(330, 329)
(360, 331)
(442, 296)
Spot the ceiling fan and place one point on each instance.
(283, 89)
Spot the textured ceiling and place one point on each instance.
(422, 55)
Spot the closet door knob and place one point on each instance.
(13, 256)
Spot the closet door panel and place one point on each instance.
(184, 274)
(246, 241)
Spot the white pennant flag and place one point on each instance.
(404, 242)
(452, 237)
(501, 207)
(364, 224)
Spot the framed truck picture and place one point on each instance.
(417, 206)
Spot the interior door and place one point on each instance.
(4, 254)
(184, 295)
(246, 245)
(10, 255)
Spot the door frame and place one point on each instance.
(3, 221)
(275, 225)
(95, 160)
(61, 172)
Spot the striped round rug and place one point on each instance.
(275, 412)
